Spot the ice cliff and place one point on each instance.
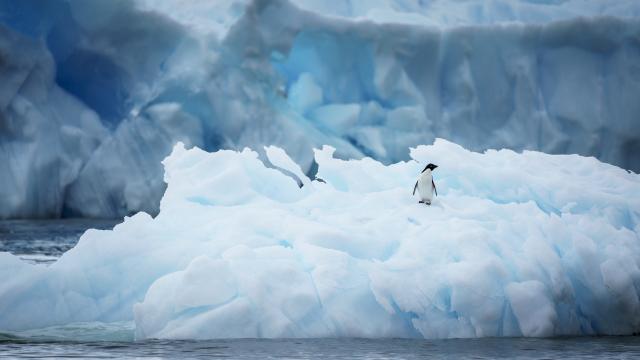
(516, 244)
(95, 93)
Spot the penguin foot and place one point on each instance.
(428, 202)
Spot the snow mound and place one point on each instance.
(517, 244)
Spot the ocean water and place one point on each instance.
(521, 348)
(42, 242)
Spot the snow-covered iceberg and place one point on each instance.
(370, 78)
(516, 244)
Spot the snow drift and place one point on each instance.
(517, 244)
(123, 81)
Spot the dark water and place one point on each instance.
(569, 348)
(41, 242)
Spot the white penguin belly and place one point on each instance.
(425, 189)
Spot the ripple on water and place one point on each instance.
(44, 241)
(520, 348)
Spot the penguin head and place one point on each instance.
(430, 167)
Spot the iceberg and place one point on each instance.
(516, 244)
(369, 78)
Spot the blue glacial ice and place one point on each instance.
(516, 244)
(95, 93)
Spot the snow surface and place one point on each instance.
(516, 244)
(112, 85)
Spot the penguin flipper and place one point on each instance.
(414, 188)
(434, 187)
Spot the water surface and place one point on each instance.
(43, 241)
(565, 348)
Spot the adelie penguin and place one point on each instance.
(425, 185)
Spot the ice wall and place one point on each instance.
(366, 77)
(46, 135)
(515, 245)
(83, 129)
(564, 87)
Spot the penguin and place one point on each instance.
(425, 185)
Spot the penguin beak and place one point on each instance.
(435, 166)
